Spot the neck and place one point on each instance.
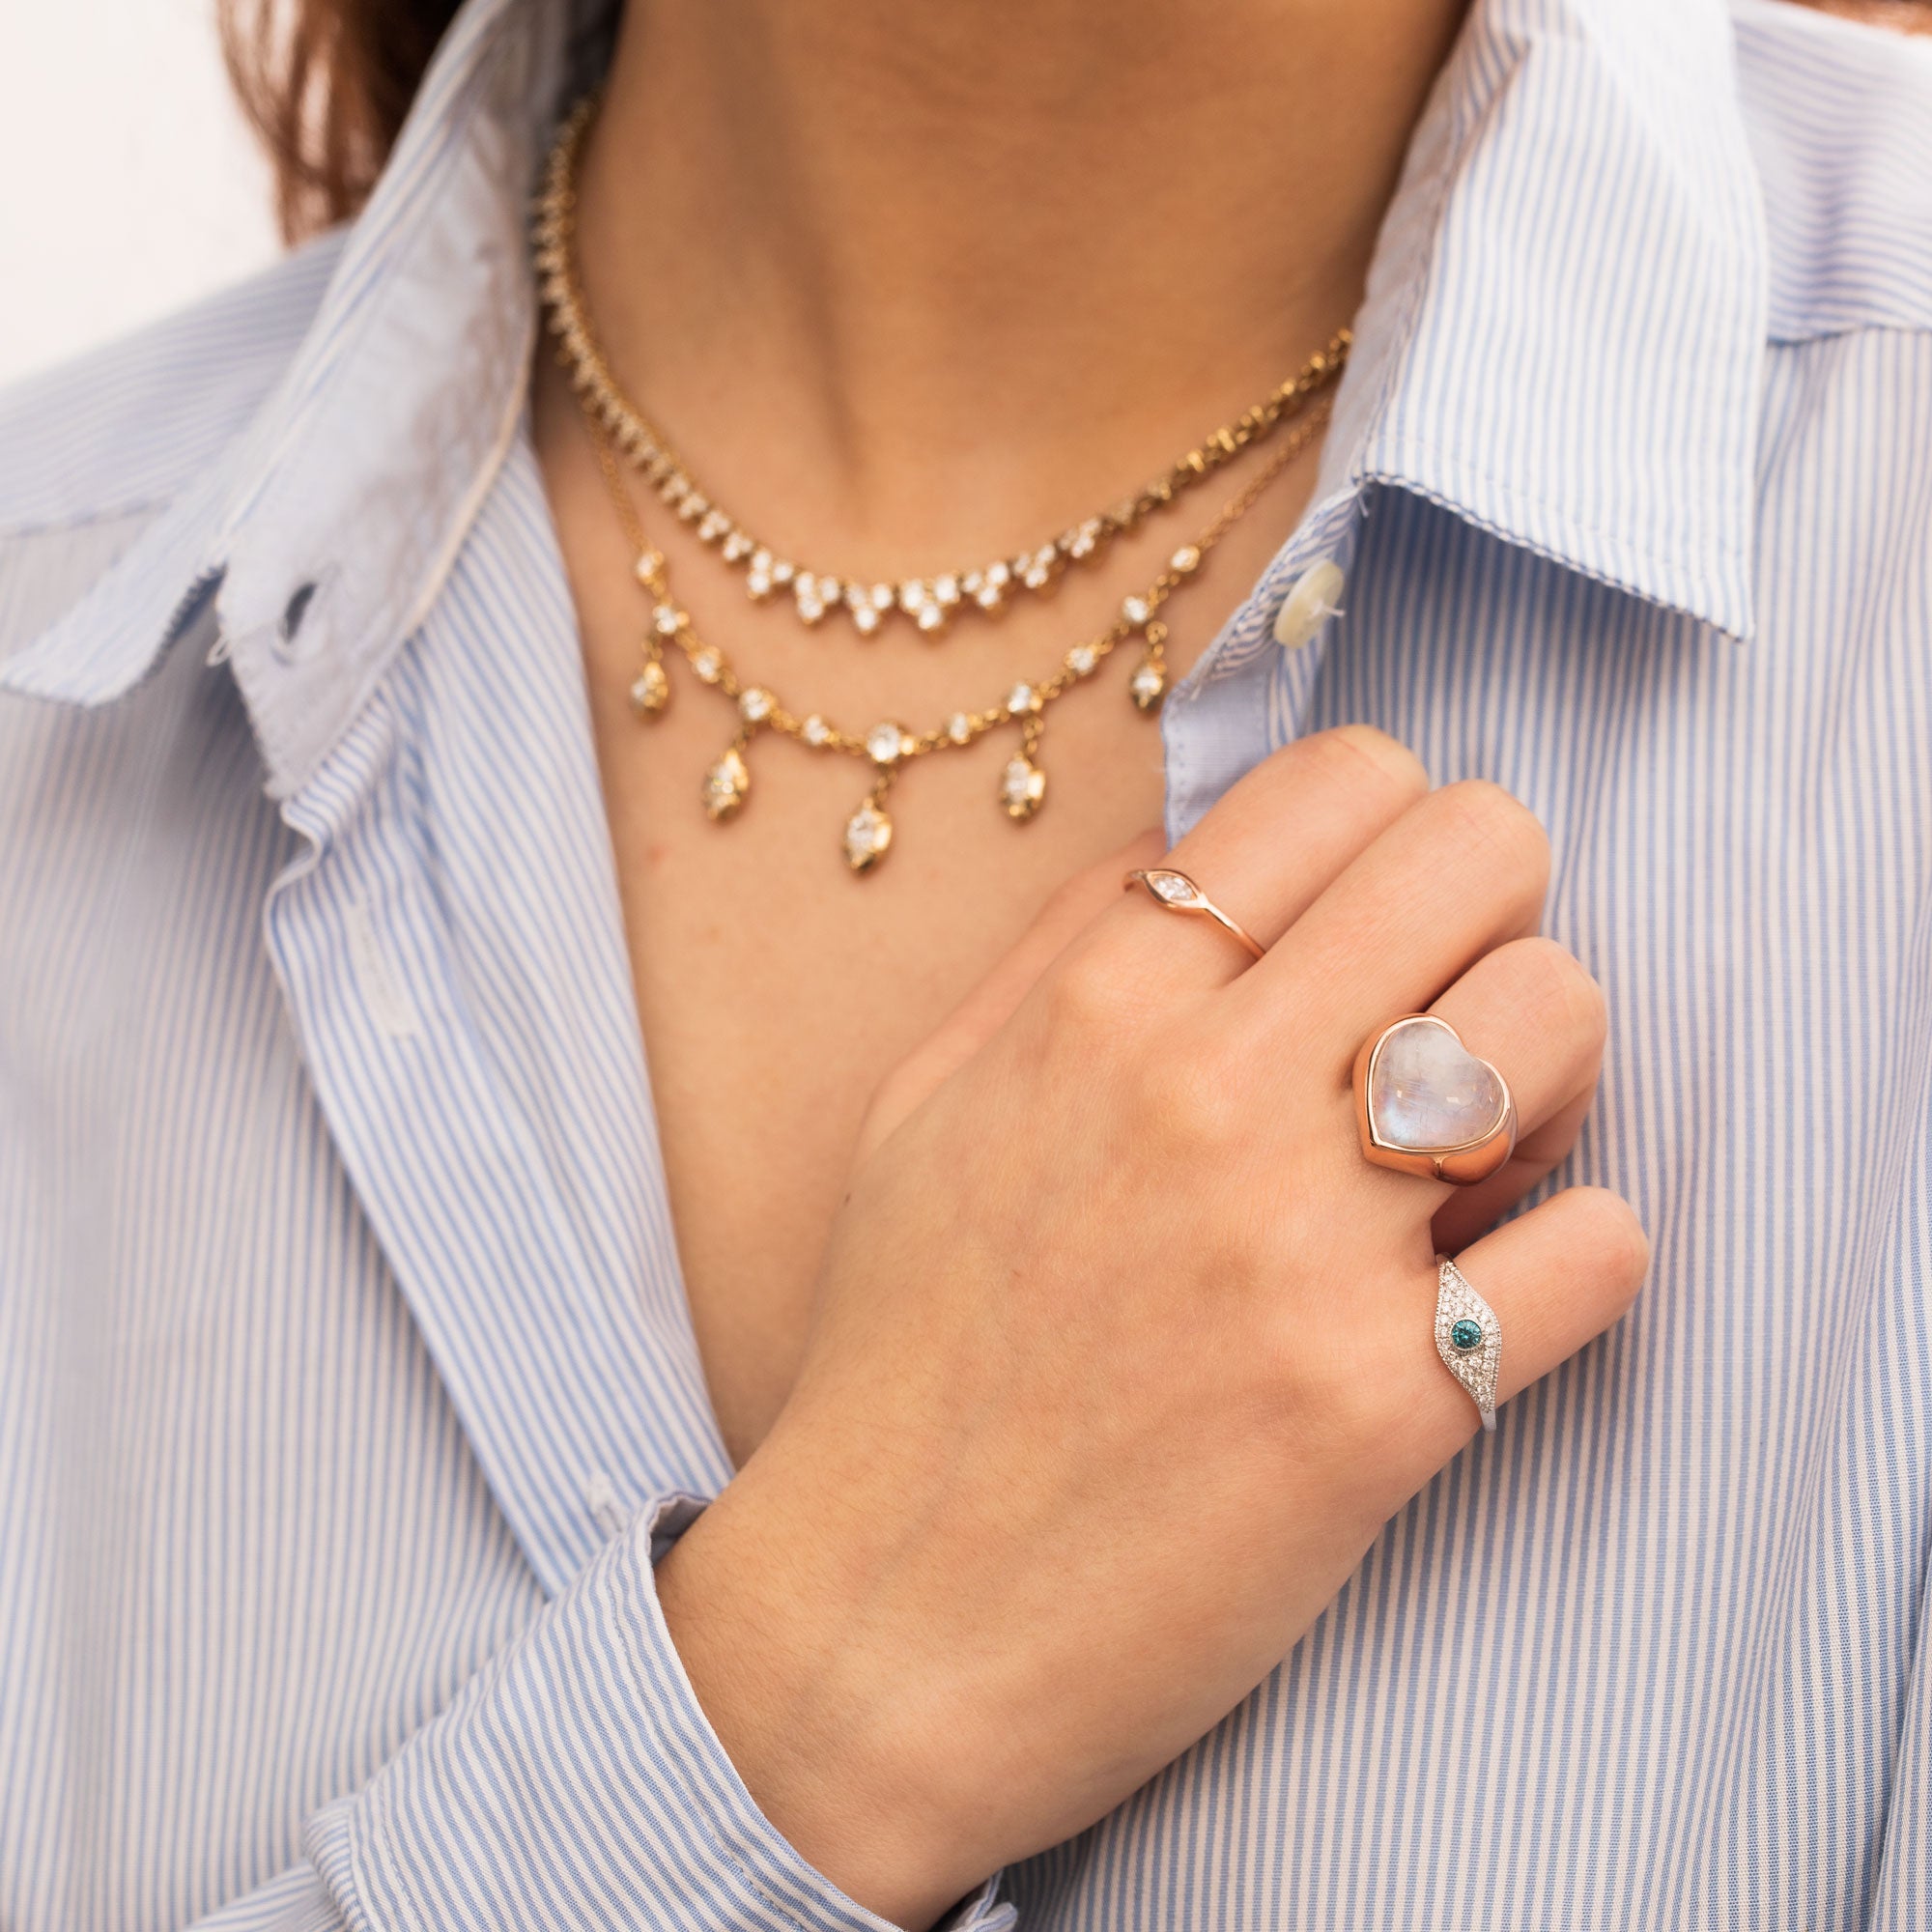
(929, 280)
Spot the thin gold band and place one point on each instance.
(1175, 892)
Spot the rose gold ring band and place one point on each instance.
(1175, 892)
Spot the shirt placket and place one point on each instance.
(1249, 696)
(564, 1340)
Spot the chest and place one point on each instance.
(776, 988)
(775, 985)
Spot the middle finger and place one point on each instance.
(1457, 875)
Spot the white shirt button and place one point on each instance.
(1310, 605)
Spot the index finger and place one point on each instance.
(1266, 851)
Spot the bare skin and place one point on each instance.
(1004, 1200)
(931, 289)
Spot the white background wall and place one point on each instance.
(128, 184)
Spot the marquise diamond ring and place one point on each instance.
(1178, 893)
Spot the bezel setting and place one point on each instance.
(1461, 1163)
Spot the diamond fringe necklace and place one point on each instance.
(886, 745)
(928, 603)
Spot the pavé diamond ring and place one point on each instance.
(1427, 1105)
(1178, 893)
(1469, 1337)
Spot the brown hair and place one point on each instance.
(327, 82)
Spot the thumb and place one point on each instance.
(980, 1014)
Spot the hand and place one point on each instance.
(1123, 1353)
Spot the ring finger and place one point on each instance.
(1556, 1278)
(1536, 1016)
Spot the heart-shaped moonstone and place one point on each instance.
(1428, 1091)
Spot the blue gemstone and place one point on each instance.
(1466, 1334)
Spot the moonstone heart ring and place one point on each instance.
(1178, 893)
(1427, 1105)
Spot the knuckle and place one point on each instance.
(1189, 1101)
(1499, 824)
(1355, 752)
(1071, 901)
(1376, 1417)
(1076, 897)
(1555, 990)
(1354, 1412)
(1087, 998)
(1378, 1430)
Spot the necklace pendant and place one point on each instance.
(727, 785)
(650, 692)
(1022, 788)
(869, 836)
(1148, 684)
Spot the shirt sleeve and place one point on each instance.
(574, 1781)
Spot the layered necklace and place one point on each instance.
(625, 440)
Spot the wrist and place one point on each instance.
(832, 1736)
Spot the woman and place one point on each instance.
(873, 1469)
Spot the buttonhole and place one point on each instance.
(295, 612)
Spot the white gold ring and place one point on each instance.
(1469, 1337)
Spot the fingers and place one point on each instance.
(1532, 1010)
(1266, 851)
(1074, 907)
(1556, 1277)
(1468, 1210)
(1457, 875)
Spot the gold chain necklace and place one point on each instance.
(928, 602)
(888, 745)
(614, 425)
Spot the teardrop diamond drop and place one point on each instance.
(1148, 685)
(1022, 788)
(650, 692)
(868, 834)
(726, 785)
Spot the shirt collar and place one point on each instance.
(327, 529)
(1561, 341)
(1565, 328)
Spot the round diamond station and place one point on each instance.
(1466, 1334)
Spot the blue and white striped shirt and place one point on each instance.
(346, 1377)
